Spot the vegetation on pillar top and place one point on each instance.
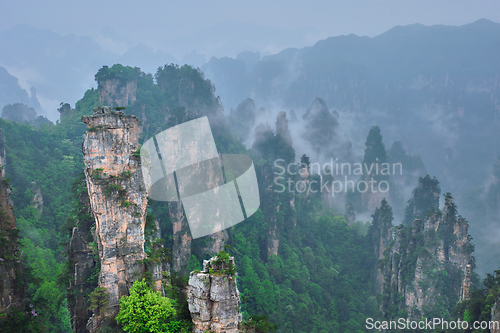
(222, 264)
(117, 72)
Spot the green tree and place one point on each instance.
(146, 311)
(375, 153)
(305, 161)
(425, 196)
(193, 264)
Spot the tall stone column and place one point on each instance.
(118, 199)
(213, 298)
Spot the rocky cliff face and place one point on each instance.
(273, 242)
(11, 268)
(19, 112)
(213, 297)
(37, 200)
(349, 215)
(181, 249)
(427, 267)
(495, 316)
(269, 207)
(84, 263)
(114, 92)
(425, 196)
(380, 234)
(118, 200)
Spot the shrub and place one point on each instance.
(96, 173)
(222, 265)
(146, 311)
(98, 300)
(137, 153)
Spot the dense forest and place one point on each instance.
(302, 262)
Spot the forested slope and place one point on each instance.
(298, 261)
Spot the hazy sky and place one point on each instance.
(160, 22)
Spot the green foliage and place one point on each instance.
(156, 252)
(118, 72)
(51, 157)
(194, 264)
(96, 173)
(146, 311)
(258, 324)
(185, 83)
(425, 198)
(20, 320)
(304, 161)
(381, 224)
(222, 265)
(320, 279)
(492, 282)
(271, 146)
(98, 300)
(414, 243)
(125, 175)
(137, 153)
(375, 151)
(481, 300)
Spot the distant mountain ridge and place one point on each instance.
(11, 92)
(434, 88)
(61, 68)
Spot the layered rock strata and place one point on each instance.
(213, 299)
(118, 199)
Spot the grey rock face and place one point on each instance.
(214, 300)
(118, 199)
(112, 92)
(181, 249)
(82, 260)
(442, 246)
(495, 316)
(37, 200)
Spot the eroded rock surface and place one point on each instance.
(214, 300)
(181, 249)
(83, 265)
(428, 264)
(115, 92)
(118, 199)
